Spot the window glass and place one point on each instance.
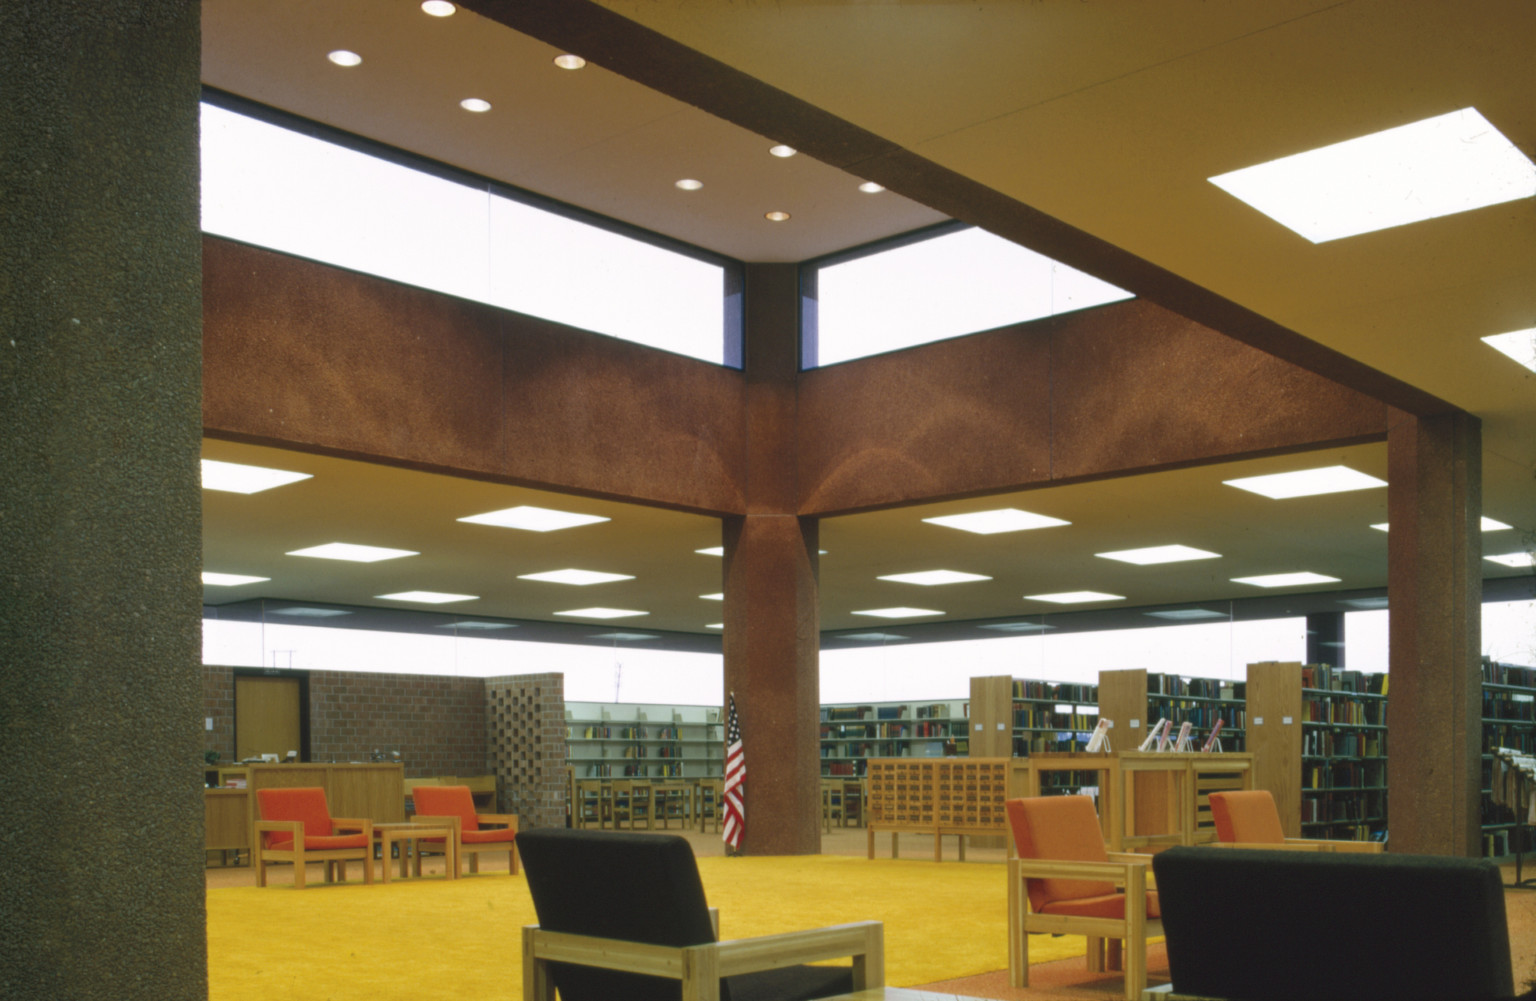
(959, 282)
(275, 187)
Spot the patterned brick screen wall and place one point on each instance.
(525, 726)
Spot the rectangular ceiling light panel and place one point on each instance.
(1520, 345)
(352, 553)
(898, 613)
(428, 597)
(1436, 167)
(601, 613)
(1286, 579)
(1074, 597)
(932, 578)
(230, 579)
(1307, 482)
(579, 578)
(237, 478)
(1006, 519)
(533, 519)
(1159, 554)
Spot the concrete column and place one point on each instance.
(1434, 505)
(772, 619)
(101, 823)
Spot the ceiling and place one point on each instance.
(1106, 115)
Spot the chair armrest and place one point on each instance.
(1109, 872)
(1121, 858)
(293, 828)
(714, 920)
(362, 824)
(504, 819)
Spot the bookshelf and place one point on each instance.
(851, 734)
(1015, 717)
(1322, 747)
(1200, 702)
(627, 740)
(1509, 721)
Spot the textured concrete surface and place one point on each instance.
(100, 632)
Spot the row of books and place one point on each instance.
(603, 771)
(1344, 744)
(1508, 674)
(1203, 715)
(1199, 688)
(1050, 691)
(1345, 711)
(1498, 705)
(1043, 718)
(1353, 775)
(1336, 679)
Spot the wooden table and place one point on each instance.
(898, 994)
(407, 836)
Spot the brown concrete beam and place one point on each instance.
(304, 355)
(1434, 715)
(1121, 389)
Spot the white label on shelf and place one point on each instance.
(1258, 721)
(978, 727)
(1135, 723)
(1110, 723)
(1285, 721)
(1002, 726)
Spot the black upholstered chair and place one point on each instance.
(623, 915)
(1264, 924)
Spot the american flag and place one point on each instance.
(735, 778)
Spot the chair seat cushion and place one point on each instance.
(791, 983)
(487, 836)
(321, 844)
(1108, 906)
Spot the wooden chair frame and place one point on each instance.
(1304, 844)
(335, 859)
(474, 849)
(700, 967)
(1128, 873)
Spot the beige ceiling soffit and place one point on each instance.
(656, 61)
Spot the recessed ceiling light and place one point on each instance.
(871, 188)
(1186, 614)
(1008, 519)
(476, 104)
(626, 637)
(1159, 554)
(1488, 525)
(344, 57)
(930, 578)
(428, 597)
(230, 579)
(1074, 597)
(782, 151)
(533, 519)
(776, 216)
(303, 612)
(711, 551)
(1439, 166)
(713, 597)
(1016, 627)
(240, 479)
(715, 625)
(871, 637)
(1307, 482)
(1519, 345)
(1286, 579)
(470, 624)
(1514, 559)
(689, 184)
(580, 578)
(898, 613)
(439, 8)
(352, 553)
(601, 613)
(570, 62)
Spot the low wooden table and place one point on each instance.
(898, 994)
(407, 837)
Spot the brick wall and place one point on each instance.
(219, 705)
(525, 730)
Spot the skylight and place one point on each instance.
(1307, 482)
(1008, 519)
(1436, 167)
(238, 478)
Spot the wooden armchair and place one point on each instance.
(1064, 882)
(622, 915)
(296, 826)
(1248, 818)
(455, 806)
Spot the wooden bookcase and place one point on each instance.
(1509, 720)
(853, 733)
(627, 740)
(1015, 717)
(1274, 734)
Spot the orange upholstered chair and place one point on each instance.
(456, 805)
(1248, 818)
(1064, 882)
(296, 826)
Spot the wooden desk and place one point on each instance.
(1187, 772)
(227, 822)
(898, 994)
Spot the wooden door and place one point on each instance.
(266, 716)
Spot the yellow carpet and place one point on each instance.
(379, 943)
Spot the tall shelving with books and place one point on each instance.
(626, 740)
(853, 733)
(1015, 717)
(1509, 724)
(1321, 735)
(1202, 703)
